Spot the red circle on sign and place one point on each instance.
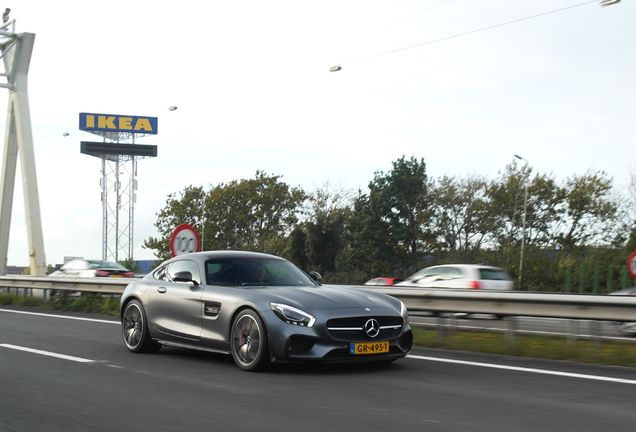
(631, 264)
(184, 239)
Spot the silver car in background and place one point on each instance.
(93, 268)
(260, 308)
(461, 276)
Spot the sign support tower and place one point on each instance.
(118, 180)
(16, 50)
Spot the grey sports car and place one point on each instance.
(261, 309)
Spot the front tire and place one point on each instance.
(134, 328)
(249, 340)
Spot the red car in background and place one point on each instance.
(385, 281)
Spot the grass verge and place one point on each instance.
(546, 347)
(91, 303)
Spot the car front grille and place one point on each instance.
(352, 329)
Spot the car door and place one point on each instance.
(455, 278)
(221, 297)
(175, 307)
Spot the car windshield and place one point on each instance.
(254, 272)
(106, 265)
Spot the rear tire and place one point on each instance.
(249, 341)
(135, 331)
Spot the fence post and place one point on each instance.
(442, 330)
(610, 279)
(596, 280)
(582, 279)
(623, 277)
(511, 330)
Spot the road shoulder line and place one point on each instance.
(60, 316)
(47, 353)
(524, 369)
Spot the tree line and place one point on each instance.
(405, 221)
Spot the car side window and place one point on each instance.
(183, 266)
(432, 273)
(454, 273)
(222, 272)
(443, 273)
(422, 274)
(160, 273)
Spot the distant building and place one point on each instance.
(16, 270)
(145, 266)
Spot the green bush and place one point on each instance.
(63, 301)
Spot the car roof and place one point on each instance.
(466, 266)
(219, 254)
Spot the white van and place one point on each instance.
(461, 276)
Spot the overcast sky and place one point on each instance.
(252, 84)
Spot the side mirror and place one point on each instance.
(183, 276)
(316, 276)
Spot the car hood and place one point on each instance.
(330, 297)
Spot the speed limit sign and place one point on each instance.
(184, 239)
(631, 264)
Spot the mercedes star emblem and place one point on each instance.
(372, 327)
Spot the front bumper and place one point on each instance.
(290, 343)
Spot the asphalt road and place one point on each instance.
(102, 387)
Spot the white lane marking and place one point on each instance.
(47, 353)
(60, 316)
(524, 369)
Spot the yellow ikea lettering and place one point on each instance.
(125, 123)
(90, 121)
(143, 124)
(106, 122)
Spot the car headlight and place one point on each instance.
(292, 315)
(403, 311)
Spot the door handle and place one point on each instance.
(162, 290)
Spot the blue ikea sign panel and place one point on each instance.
(118, 123)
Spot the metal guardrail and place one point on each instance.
(584, 307)
(92, 285)
(570, 306)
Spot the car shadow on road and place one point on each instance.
(203, 358)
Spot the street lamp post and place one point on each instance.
(523, 223)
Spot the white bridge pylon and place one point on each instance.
(16, 50)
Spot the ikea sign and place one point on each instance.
(117, 123)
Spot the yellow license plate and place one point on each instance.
(118, 276)
(361, 348)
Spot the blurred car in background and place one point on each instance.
(626, 327)
(93, 268)
(384, 281)
(461, 276)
